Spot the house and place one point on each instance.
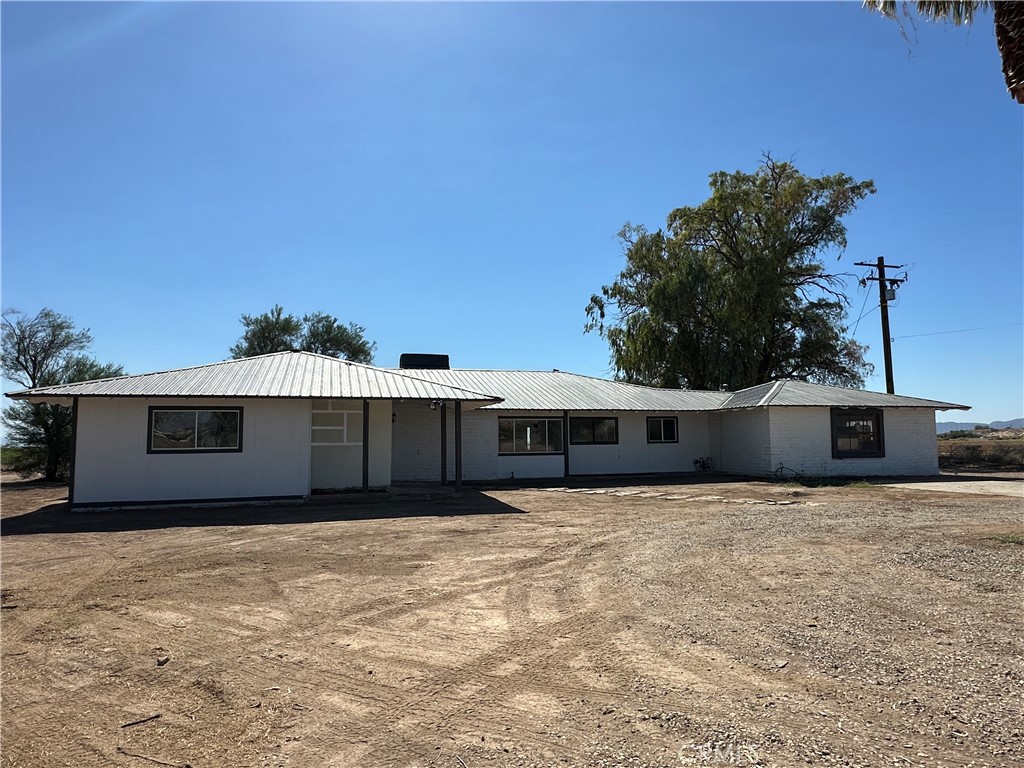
(285, 425)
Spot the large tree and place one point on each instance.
(1009, 28)
(733, 292)
(41, 351)
(275, 331)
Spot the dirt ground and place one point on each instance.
(720, 623)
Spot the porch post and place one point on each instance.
(458, 445)
(565, 440)
(444, 442)
(366, 446)
(74, 450)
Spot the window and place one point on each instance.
(192, 430)
(662, 429)
(529, 435)
(593, 430)
(334, 422)
(857, 433)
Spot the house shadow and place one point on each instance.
(58, 517)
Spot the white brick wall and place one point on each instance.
(740, 442)
(416, 443)
(801, 439)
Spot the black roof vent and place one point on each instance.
(417, 360)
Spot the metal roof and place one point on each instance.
(281, 374)
(308, 375)
(791, 392)
(561, 391)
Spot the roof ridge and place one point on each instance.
(153, 373)
(777, 385)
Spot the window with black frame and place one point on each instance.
(194, 430)
(857, 433)
(662, 429)
(529, 435)
(593, 430)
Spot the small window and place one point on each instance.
(191, 430)
(662, 429)
(530, 435)
(594, 430)
(857, 434)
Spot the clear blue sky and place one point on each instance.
(452, 176)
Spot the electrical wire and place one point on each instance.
(959, 330)
(857, 322)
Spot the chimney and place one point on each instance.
(418, 360)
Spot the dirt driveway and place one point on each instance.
(717, 624)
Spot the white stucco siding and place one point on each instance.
(801, 439)
(112, 465)
(740, 442)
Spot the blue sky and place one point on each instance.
(452, 176)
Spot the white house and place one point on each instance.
(289, 424)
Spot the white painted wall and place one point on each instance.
(416, 447)
(801, 439)
(740, 442)
(111, 463)
(634, 454)
(341, 466)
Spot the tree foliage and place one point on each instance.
(1009, 28)
(733, 292)
(275, 331)
(41, 351)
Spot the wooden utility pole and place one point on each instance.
(885, 285)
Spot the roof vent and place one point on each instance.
(418, 360)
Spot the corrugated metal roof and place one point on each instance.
(281, 374)
(308, 375)
(561, 391)
(802, 393)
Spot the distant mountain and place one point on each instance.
(942, 427)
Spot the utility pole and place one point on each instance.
(886, 285)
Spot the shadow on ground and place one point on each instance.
(58, 517)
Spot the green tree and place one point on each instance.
(275, 331)
(272, 331)
(41, 351)
(1009, 28)
(326, 336)
(733, 292)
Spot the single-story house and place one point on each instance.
(290, 424)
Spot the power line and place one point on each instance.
(959, 330)
(856, 322)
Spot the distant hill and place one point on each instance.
(942, 427)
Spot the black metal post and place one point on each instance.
(444, 442)
(458, 445)
(366, 446)
(74, 451)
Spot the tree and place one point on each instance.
(326, 336)
(1009, 27)
(272, 331)
(275, 331)
(42, 351)
(733, 293)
